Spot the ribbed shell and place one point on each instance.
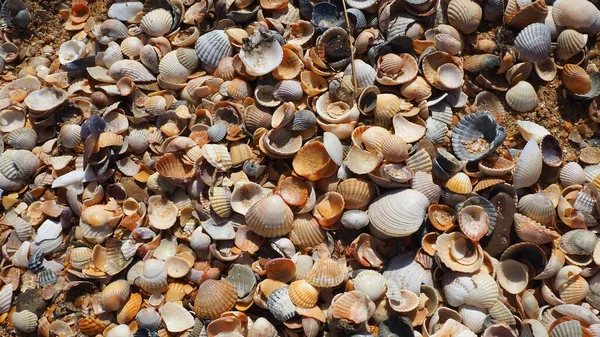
(569, 43)
(326, 273)
(585, 19)
(397, 214)
(157, 22)
(212, 47)
(464, 15)
(522, 97)
(115, 295)
(280, 304)
(25, 321)
(371, 283)
(90, 326)
(529, 166)
(148, 318)
(303, 294)
(306, 231)
(534, 42)
(471, 129)
(6, 298)
(519, 15)
(270, 217)
(408, 273)
(132, 69)
(214, 298)
(172, 70)
(539, 207)
(572, 174)
(125, 11)
(23, 138)
(114, 28)
(567, 329)
(357, 193)
(576, 79)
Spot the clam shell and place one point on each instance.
(530, 130)
(576, 79)
(303, 294)
(529, 166)
(162, 213)
(539, 207)
(546, 69)
(24, 321)
(459, 183)
(522, 97)
(90, 326)
(353, 306)
(392, 218)
(513, 276)
(569, 328)
(22, 139)
(157, 22)
(261, 54)
(125, 11)
(270, 217)
(71, 51)
(357, 193)
(533, 42)
(245, 195)
(6, 298)
(306, 231)
(476, 135)
(459, 253)
(354, 219)
(148, 318)
(45, 100)
(578, 242)
(176, 318)
(464, 15)
(114, 29)
(519, 15)
(532, 231)
(585, 20)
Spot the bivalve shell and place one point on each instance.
(534, 42)
(522, 97)
(464, 15)
(24, 321)
(397, 214)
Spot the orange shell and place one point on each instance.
(214, 298)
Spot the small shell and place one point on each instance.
(522, 97)
(114, 29)
(576, 79)
(355, 219)
(133, 69)
(218, 156)
(148, 318)
(534, 42)
(24, 321)
(157, 22)
(71, 51)
(357, 193)
(539, 207)
(459, 183)
(303, 294)
(578, 242)
(162, 213)
(585, 20)
(254, 50)
(115, 295)
(569, 43)
(353, 306)
(125, 11)
(394, 149)
(371, 283)
(529, 166)
(90, 326)
(212, 47)
(572, 174)
(474, 222)
(476, 135)
(513, 276)
(326, 273)
(464, 15)
(270, 217)
(23, 138)
(127, 313)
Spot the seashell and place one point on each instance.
(572, 174)
(120, 330)
(22, 139)
(217, 156)
(329, 208)
(539, 207)
(162, 213)
(45, 100)
(15, 14)
(396, 69)
(533, 42)
(464, 15)
(303, 294)
(130, 309)
(71, 51)
(512, 276)
(125, 11)
(522, 97)
(177, 267)
(568, 328)
(476, 135)
(220, 201)
(578, 242)
(306, 231)
(80, 257)
(495, 166)
(391, 218)
(354, 219)
(473, 222)
(479, 290)
(532, 231)
(530, 130)
(132, 69)
(176, 318)
(576, 79)
(254, 50)
(371, 283)
(212, 47)
(459, 183)
(529, 166)
(154, 276)
(312, 161)
(270, 217)
(90, 326)
(24, 321)
(115, 295)
(569, 43)
(468, 260)
(326, 273)
(148, 318)
(410, 132)
(586, 21)
(519, 15)
(157, 22)
(357, 193)
(288, 91)
(353, 306)
(394, 149)
(280, 305)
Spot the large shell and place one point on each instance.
(270, 217)
(586, 19)
(522, 97)
(397, 214)
(464, 15)
(24, 321)
(212, 47)
(569, 43)
(477, 135)
(157, 22)
(534, 42)
(214, 298)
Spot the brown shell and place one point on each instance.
(303, 294)
(357, 192)
(90, 326)
(306, 231)
(214, 298)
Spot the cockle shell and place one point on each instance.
(132, 69)
(586, 20)
(522, 97)
(529, 166)
(176, 317)
(464, 15)
(115, 295)
(270, 217)
(214, 298)
(476, 135)
(157, 22)
(371, 283)
(576, 79)
(569, 43)
(533, 42)
(24, 321)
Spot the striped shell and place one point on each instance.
(212, 47)
(270, 217)
(397, 214)
(464, 15)
(24, 321)
(585, 19)
(214, 298)
(529, 166)
(132, 69)
(157, 22)
(522, 97)
(569, 43)
(534, 42)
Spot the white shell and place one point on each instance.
(572, 174)
(261, 54)
(148, 318)
(176, 317)
(25, 321)
(157, 22)
(121, 330)
(212, 47)
(397, 214)
(6, 298)
(125, 11)
(529, 166)
(522, 97)
(371, 283)
(133, 69)
(530, 130)
(154, 277)
(70, 51)
(534, 42)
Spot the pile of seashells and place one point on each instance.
(299, 168)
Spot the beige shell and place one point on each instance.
(576, 79)
(513, 276)
(176, 318)
(585, 19)
(157, 22)
(24, 321)
(529, 166)
(397, 214)
(154, 276)
(569, 43)
(459, 253)
(464, 15)
(214, 298)
(218, 156)
(353, 306)
(115, 295)
(371, 283)
(532, 231)
(326, 273)
(133, 69)
(270, 217)
(522, 97)
(162, 213)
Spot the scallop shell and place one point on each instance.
(532, 231)
(157, 22)
(303, 294)
(357, 193)
(391, 217)
(22, 139)
(24, 321)
(539, 207)
(459, 183)
(464, 15)
(529, 166)
(326, 273)
(533, 42)
(477, 135)
(371, 283)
